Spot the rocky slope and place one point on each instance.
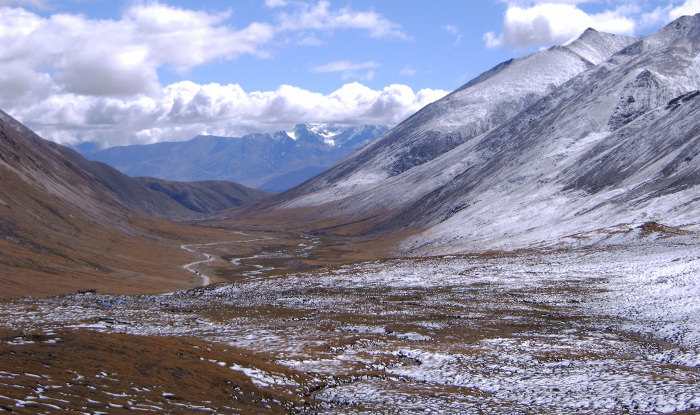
(615, 143)
(273, 162)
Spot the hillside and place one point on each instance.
(68, 224)
(613, 141)
(483, 103)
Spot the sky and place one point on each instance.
(137, 72)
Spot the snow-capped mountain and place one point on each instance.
(585, 143)
(272, 162)
(483, 103)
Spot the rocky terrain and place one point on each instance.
(583, 331)
(483, 103)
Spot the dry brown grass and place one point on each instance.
(88, 371)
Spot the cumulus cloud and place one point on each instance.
(185, 109)
(549, 23)
(74, 78)
(530, 23)
(121, 57)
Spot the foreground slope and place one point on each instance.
(559, 332)
(64, 227)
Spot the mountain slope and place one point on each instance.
(204, 197)
(165, 199)
(63, 228)
(271, 162)
(485, 102)
(615, 144)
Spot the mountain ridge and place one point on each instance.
(591, 153)
(271, 162)
(481, 104)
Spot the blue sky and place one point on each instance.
(121, 72)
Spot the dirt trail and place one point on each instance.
(191, 267)
(206, 280)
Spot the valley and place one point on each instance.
(585, 331)
(529, 243)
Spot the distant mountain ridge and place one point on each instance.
(272, 162)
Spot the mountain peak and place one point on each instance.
(589, 32)
(595, 47)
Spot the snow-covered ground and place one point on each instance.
(584, 331)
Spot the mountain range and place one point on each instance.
(271, 162)
(577, 138)
(580, 144)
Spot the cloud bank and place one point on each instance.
(74, 78)
(185, 109)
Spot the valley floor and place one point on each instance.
(613, 330)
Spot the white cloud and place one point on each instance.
(342, 66)
(689, 7)
(121, 57)
(74, 78)
(41, 4)
(530, 23)
(492, 41)
(320, 17)
(349, 70)
(275, 3)
(454, 31)
(407, 71)
(185, 109)
(548, 23)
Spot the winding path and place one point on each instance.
(190, 267)
(206, 280)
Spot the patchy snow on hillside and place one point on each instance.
(584, 331)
